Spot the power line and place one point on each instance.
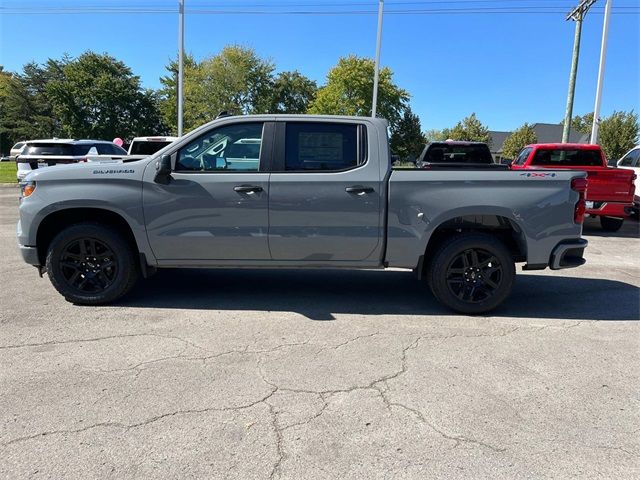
(622, 10)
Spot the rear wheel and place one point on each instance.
(473, 273)
(611, 224)
(91, 264)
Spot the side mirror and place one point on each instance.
(163, 170)
(92, 151)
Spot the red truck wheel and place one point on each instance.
(611, 224)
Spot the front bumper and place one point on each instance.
(30, 255)
(568, 254)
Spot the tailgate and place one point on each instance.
(610, 184)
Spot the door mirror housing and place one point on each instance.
(163, 170)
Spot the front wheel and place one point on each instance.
(473, 273)
(611, 224)
(91, 264)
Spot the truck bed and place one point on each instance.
(538, 204)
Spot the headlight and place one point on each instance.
(27, 188)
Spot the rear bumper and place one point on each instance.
(568, 254)
(610, 209)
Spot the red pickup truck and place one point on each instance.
(610, 190)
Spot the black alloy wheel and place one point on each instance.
(474, 275)
(92, 263)
(471, 273)
(88, 265)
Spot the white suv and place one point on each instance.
(46, 153)
(631, 161)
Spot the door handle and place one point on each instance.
(247, 188)
(358, 189)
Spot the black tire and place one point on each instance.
(91, 264)
(611, 224)
(471, 273)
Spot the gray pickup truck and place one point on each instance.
(301, 192)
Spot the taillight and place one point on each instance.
(579, 185)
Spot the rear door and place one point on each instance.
(325, 192)
(215, 206)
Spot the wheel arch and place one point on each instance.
(505, 229)
(57, 220)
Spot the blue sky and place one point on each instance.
(508, 68)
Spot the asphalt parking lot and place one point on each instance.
(316, 374)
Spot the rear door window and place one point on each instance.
(567, 158)
(320, 146)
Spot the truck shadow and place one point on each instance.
(319, 294)
(630, 229)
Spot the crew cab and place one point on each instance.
(299, 191)
(610, 190)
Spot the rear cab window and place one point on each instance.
(323, 146)
(457, 153)
(567, 157)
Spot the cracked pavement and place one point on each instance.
(317, 374)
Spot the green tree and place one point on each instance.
(407, 141)
(470, 129)
(236, 80)
(435, 135)
(618, 133)
(512, 145)
(168, 93)
(25, 110)
(349, 90)
(97, 96)
(292, 92)
(582, 123)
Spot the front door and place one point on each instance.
(325, 195)
(215, 206)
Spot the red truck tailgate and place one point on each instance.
(610, 185)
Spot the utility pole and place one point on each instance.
(603, 55)
(376, 73)
(577, 15)
(180, 64)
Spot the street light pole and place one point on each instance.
(376, 73)
(180, 64)
(577, 15)
(603, 55)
